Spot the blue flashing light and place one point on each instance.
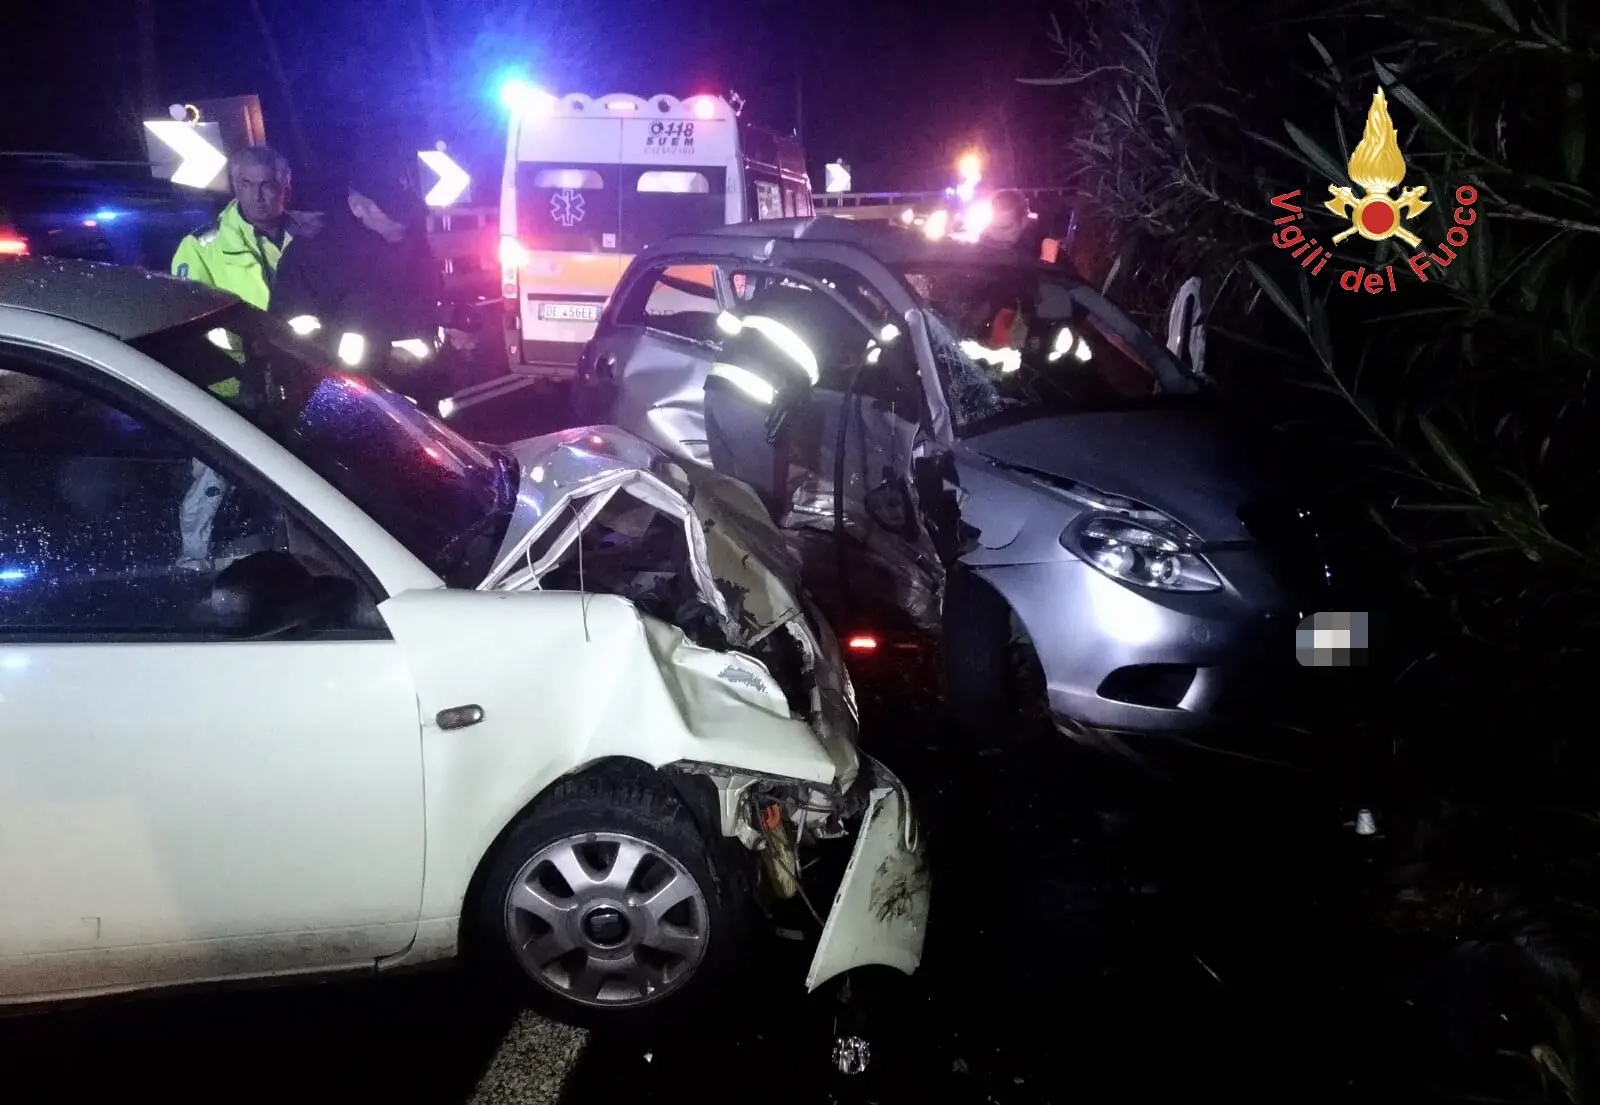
(13, 575)
(515, 93)
(520, 97)
(106, 215)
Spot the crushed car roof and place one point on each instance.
(125, 302)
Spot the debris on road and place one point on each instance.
(851, 1054)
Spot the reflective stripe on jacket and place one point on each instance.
(232, 256)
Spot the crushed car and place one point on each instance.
(1021, 467)
(369, 695)
(728, 626)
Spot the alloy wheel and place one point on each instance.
(607, 920)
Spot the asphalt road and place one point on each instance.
(502, 416)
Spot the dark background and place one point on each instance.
(894, 91)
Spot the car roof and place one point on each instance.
(125, 302)
(887, 241)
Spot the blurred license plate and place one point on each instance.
(569, 312)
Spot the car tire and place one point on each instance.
(990, 673)
(524, 909)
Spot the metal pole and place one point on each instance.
(270, 43)
(436, 70)
(149, 78)
(799, 40)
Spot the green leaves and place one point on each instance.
(1574, 130)
(1322, 52)
(1447, 453)
(1469, 405)
(1270, 287)
(1413, 103)
(1319, 158)
(1498, 9)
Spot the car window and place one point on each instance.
(674, 183)
(447, 500)
(1014, 342)
(658, 203)
(568, 207)
(116, 526)
(769, 200)
(676, 299)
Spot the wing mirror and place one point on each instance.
(269, 595)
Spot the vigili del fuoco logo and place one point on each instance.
(1378, 168)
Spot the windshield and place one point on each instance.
(447, 500)
(1016, 342)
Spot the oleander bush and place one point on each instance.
(1460, 413)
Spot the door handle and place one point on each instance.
(459, 717)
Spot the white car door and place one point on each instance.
(179, 802)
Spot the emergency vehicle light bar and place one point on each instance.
(705, 108)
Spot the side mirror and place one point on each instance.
(271, 594)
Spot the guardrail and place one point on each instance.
(834, 200)
(465, 242)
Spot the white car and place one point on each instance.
(300, 681)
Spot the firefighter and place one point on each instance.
(770, 359)
(367, 283)
(236, 252)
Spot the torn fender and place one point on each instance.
(565, 680)
(880, 913)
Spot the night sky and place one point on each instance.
(893, 89)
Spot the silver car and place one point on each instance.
(1023, 467)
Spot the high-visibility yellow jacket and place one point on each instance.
(231, 255)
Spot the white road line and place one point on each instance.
(505, 386)
(503, 380)
(532, 1063)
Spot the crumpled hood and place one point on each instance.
(1193, 464)
(736, 561)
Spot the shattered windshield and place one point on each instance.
(1013, 343)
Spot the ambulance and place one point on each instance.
(591, 181)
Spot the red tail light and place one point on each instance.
(862, 642)
(12, 243)
(513, 255)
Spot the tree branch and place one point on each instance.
(1519, 213)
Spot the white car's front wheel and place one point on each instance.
(604, 905)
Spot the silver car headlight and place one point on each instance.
(1144, 552)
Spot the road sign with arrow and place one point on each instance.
(453, 183)
(186, 153)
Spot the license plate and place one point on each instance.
(569, 312)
